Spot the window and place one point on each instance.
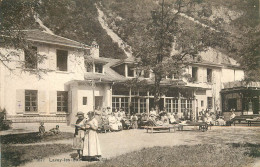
(209, 75)
(115, 103)
(31, 99)
(209, 102)
(146, 74)
(142, 105)
(99, 68)
(84, 101)
(62, 60)
(169, 105)
(186, 104)
(124, 103)
(175, 105)
(130, 71)
(62, 101)
(134, 105)
(232, 104)
(194, 74)
(183, 105)
(30, 57)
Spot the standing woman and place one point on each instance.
(91, 148)
(79, 134)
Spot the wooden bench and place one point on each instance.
(158, 128)
(202, 126)
(254, 121)
(243, 118)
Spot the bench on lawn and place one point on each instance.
(254, 121)
(203, 126)
(243, 118)
(158, 128)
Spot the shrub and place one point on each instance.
(4, 124)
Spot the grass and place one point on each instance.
(18, 155)
(228, 155)
(33, 138)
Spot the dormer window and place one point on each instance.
(89, 67)
(99, 68)
(146, 74)
(130, 71)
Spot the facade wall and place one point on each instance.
(14, 84)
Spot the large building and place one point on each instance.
(77, 79)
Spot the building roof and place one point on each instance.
(45, 37)
(109, 74)
(241, 84)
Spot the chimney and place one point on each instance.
(94, 49)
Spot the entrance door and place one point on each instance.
(98, 102)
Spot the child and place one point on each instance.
(56, 130)
(41, 129)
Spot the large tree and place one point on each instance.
(170, 43)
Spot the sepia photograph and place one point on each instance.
(130, 83)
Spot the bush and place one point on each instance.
(4, 124)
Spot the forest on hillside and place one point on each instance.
(237, 20)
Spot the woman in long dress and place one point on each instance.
(79, 134)
(91, 146)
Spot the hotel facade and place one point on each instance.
(77, 79)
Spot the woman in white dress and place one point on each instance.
(91, 146)
(113, 122)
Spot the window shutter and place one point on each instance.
(72, 62)
(52, 62)
(42, 105)
(20, 101)
(53, 102)
(69, 101)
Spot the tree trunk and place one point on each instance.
(157, 95)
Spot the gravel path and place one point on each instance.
(118, 143)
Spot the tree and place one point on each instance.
(15, 17)
(166, 31)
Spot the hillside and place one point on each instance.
(128, 20)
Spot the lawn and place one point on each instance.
(226, 155)
(33, 138)
(17, 155)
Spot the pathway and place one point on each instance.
(118, 143)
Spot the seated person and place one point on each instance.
(158, 122)
(134, 121)
(172, 119)
(41, 129)
(113, 122)
(56, 130)
(220, 121)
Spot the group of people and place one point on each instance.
(52, 131)
(86, 140)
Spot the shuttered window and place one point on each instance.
(31, 98)
(62, 101)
